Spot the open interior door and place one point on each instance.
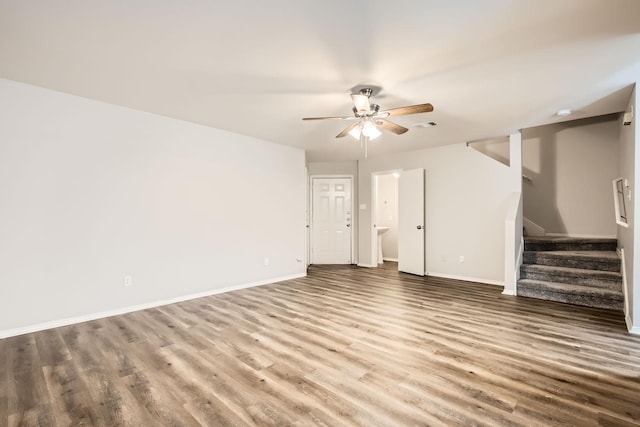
(411, 222)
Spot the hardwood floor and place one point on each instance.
(343, 346)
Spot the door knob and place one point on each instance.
(419, 227)
(348, 225)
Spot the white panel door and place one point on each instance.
(411, 222)
(331, 221)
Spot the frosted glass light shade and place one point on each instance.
(355, 132)
(370, 130)
(367, 129)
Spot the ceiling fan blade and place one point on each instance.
(361, 102)
(411, 109)
(347, 130)
(391, 127)
(330, 118)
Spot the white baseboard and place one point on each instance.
(391, 259)
(101, 315)
(467, 279)
(366, 265)
(512, 292)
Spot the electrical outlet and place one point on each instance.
(461, 258)
(128, 281)
(266, 261)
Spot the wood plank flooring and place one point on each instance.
(344, 346)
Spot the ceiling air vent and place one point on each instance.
(425, 125)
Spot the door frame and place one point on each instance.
(374, 208)
(354, 220)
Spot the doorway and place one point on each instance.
(386, 216)
(410, 241)
(331, 220)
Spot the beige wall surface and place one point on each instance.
(92, 192)
(571, 166)
(333, 168)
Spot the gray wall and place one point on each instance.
(92, 192)
(571, 166)
(466, 195)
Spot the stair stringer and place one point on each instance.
(533, 229)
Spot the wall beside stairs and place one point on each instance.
(571, 166)
(466, 195)
(627, 163)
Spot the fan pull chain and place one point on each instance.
(364, 143)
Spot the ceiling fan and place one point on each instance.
(369, 119)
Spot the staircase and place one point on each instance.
(574, 271)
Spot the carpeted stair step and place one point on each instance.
(571, 294)
(578, 276)
(569, 244)
(588, 260)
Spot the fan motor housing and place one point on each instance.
(374, 109)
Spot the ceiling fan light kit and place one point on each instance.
(366, 128)
(369, 118)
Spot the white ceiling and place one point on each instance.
(257, 67)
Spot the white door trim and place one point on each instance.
(354, 217)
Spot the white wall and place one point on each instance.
(466, 195)
(333, 168)
(496, 148)
(387, 213)
(627, 237)
(571, 166)
(91, 192)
